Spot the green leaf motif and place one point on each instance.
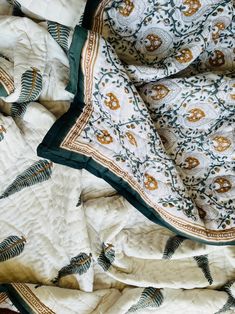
(78, 265)
(2, 131)
(31, 85)
(150, 297)
(16, 8)
(60, 33)
(230, 301)
(11, 247)
(18, 110)
(203, 263)
(14, 3)
(106, 257)
(172, 245)
(40, 171)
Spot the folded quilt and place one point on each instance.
(185, 183)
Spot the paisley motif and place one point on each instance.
(154, 42)
(125, 14)
(198, 115)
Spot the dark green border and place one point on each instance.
(50, 146)
(16, 299)
(3, 92)
(89, 13)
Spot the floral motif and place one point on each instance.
(150, 183)
(195, 115)
(184, 56)
(104, 137)
(217, 59)
(112, 102)
(221, 143)
(126, 8)
(152, 42)
(192, 7)
(191, 162)
(161, 91)
(219, 26)
(222, 185)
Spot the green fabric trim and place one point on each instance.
(79, 37)
(90, 9)
(3, 91)
(16, 299)
(50, 149)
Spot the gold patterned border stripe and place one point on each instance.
(29, 297)
(3, 297)
(98, 17)
(6, 81)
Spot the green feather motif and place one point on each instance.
(16, 8)
(2, 131)
(18, 110)
(203, 263)
(40, 171)
(106, 256)
(172, 245)
(230, 301)
(78, 265)
(31, 85)
(150, 297)
(11, 247)
(15, 3)
(81, 20)
(60, 33)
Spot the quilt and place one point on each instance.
(117, 157)
(171, 151)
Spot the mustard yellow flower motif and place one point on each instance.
(150, 183)
(112, 102)
(223, 185)
(191, 162)
(127, 8)
(105, 137)
(131, 138)
(153, 42)
(221, 143)
(185, 55)
(161, 91)
(219, 27)
(218, 59)
(195, 115)
(193, 7)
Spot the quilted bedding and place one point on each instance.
(117, 189)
